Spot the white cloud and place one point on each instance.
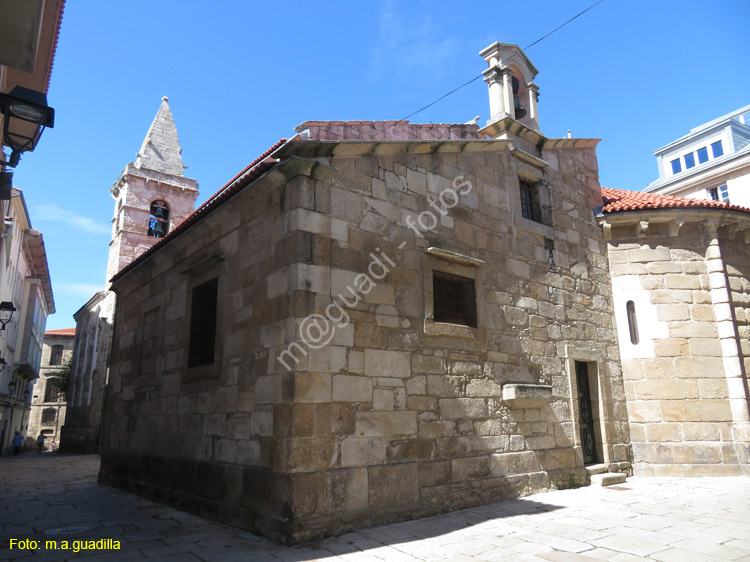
(58, 214)
(418, 50)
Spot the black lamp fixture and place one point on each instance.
(6, 313)
(26, 395)
(12, 387)
(26, 115)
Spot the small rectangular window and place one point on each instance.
(717, 149)
(56, 355)
(454, 299)
(203, 324)
(724, 193)
(530, 208)
(702, 155)
(51, 392)
(713, 193)
(676, 166)
(689, 161)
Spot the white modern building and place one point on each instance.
(711, 162)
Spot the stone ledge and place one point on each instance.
(527, 395)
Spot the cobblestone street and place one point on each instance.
(44, 497)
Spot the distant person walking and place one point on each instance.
(17, 443)
(40, 443)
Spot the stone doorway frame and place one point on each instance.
(594, 360)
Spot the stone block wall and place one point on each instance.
(680, 373)
(381, 413)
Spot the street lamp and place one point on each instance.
(26, 115)
(12, 387)
(6, 313)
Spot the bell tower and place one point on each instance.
(152, 195)
(513, 94)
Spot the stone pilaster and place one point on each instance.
(721, 299)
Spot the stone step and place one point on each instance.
(597, 468)
(607, 478)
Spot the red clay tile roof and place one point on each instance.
(616, 200)
(61, 332)
(250, 173)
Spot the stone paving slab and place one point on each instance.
(648, 518)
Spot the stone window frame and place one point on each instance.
(205, 270)
(449, 283)
(51, 392)
(153, 219)
(602, 430)
(49, 416)
(56, 354)
(532, 175)
(451, 266)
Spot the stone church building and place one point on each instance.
(376, 321)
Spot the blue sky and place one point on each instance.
(240, 75)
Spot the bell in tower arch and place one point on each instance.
(518, 109)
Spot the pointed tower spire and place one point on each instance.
(161, 150)
(152, 195)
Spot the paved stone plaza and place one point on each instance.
(668, 519)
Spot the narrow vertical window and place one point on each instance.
(158, 219)
(724, 193)
(632, 323)
(717, 149)
(530, 207)
(702, 155)
(676, 166)
(689, 161)
(203, 324)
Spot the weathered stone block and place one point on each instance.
(699, 367)
(663, 389)
(526, 395)
(348, 388)
(507, 464)
(647, 255)
(381, 363)
(357, 451)
(462, 408)
(472, 468)
(703, 453)
(346, 489)
(695, 410)
(394, 485)
(701, 432)
(663, 432)
(375, 424)
(427, 364)
(312, 387)
(434, 473)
